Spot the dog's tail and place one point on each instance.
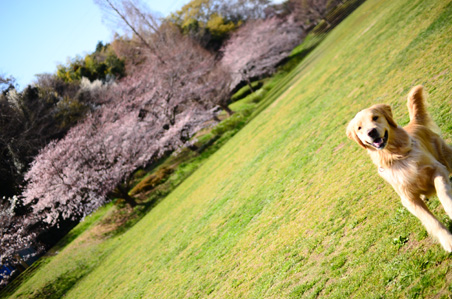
(418, 111)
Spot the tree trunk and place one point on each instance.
(244, 74)
(227, 109)
(215, 117)
(248, 82)
(130, 200)
(122, 193)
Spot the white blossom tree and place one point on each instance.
(257, 47)
(74, 176)
(153, 111)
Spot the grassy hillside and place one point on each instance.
(289, 207)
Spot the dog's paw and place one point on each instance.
(446, 242)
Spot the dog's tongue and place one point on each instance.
(378, 142)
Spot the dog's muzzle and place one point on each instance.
(378, 142)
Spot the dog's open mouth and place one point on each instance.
(380, 142)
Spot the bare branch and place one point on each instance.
(126, 11)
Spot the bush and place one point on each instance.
(152, 181)
(233, 123)
(103, 65)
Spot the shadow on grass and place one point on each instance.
(61, 285)
(134, 217)
(294, 59)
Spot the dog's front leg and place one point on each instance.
(435, 228)
(443, 189)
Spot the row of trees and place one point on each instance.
(143, 118)
(95, 126)
(29, 120)
(170, 95)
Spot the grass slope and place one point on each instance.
(289, 207)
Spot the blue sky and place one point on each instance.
(37, 35)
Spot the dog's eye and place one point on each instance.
(359, 128)
(375, 118)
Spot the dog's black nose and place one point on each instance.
(373, 133)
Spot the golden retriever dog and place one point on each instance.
(413, 159)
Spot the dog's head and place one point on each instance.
(371, 128)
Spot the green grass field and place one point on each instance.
(290, 207)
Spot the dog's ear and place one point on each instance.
(351, 133)
(387, 112)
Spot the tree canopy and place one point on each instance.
(256, 48)
(103, 65)
(210, 22)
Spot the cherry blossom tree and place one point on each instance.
(135, 19)
(256, 48)
(311, 12)
(16, 233)
(179, 60)
(150, 113)
(74, 176)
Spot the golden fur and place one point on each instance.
(413, 159)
